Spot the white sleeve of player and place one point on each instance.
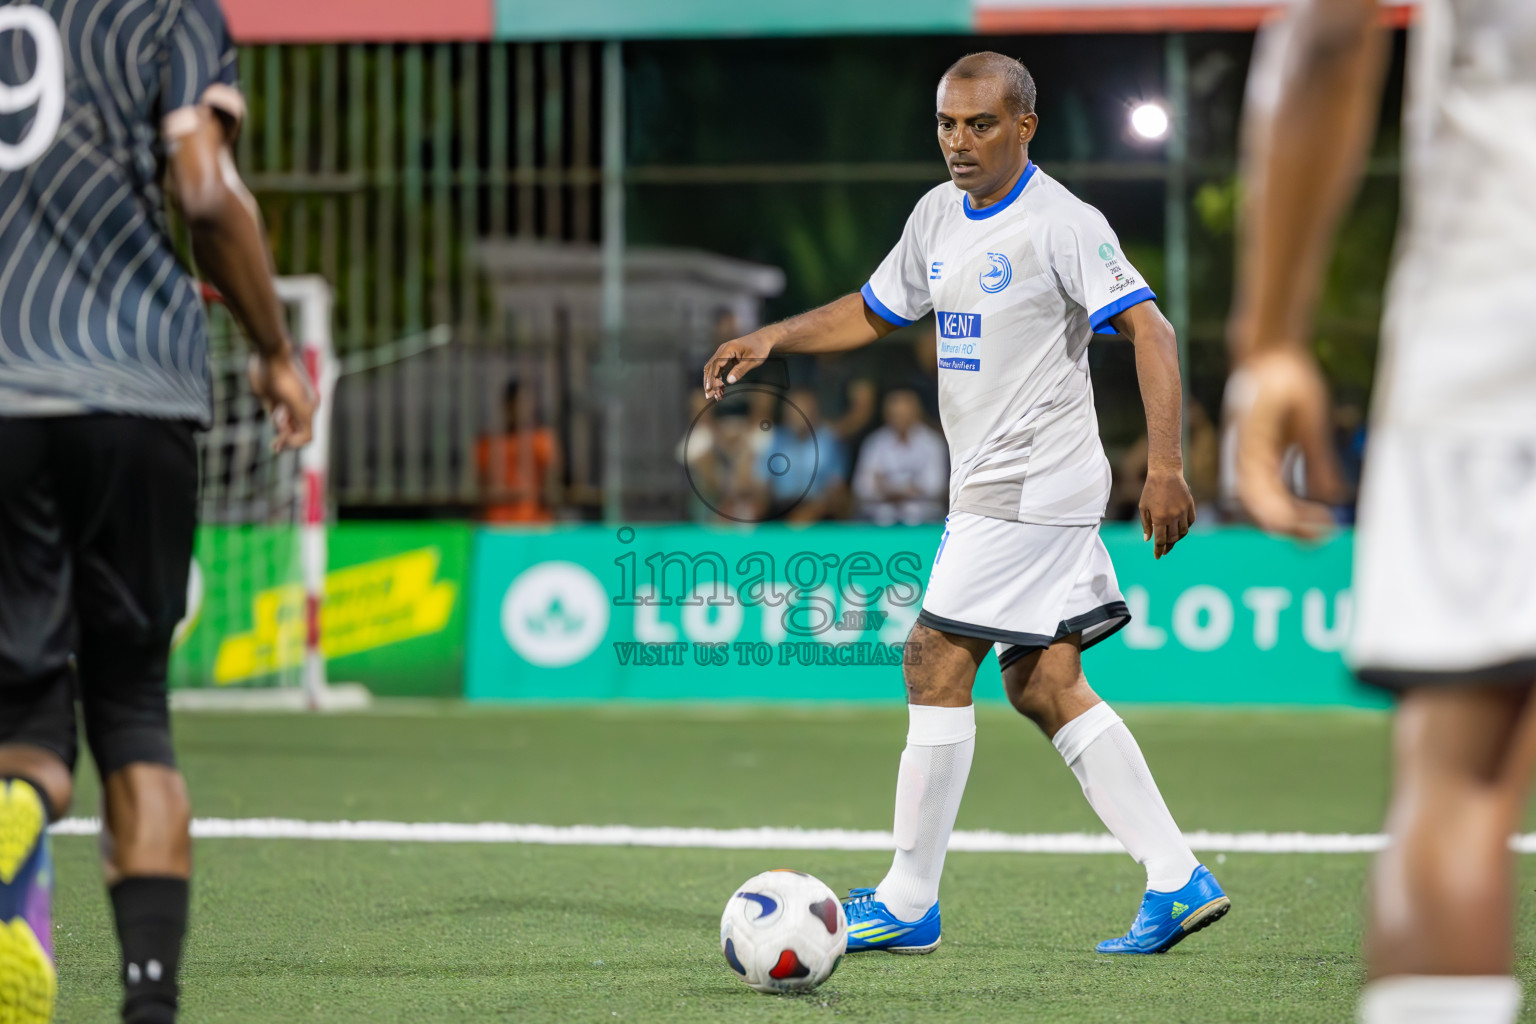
(898, 290)
(1086, 257)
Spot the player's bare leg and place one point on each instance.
(147, 831)
(901, 914)
(1048, 687)
(940, 668)
(1440, 936)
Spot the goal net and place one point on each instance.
(253, 632)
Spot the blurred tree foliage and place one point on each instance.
(1349, 310)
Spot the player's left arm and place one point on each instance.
(204, 110)
(1167, 508)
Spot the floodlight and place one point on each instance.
(1149, 120)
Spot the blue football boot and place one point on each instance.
(871, 926)
(1166, 918)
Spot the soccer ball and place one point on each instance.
(783, 931)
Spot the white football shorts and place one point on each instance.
(1445, 560)
(1022, 585)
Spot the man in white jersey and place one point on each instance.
(1019, 275)
(1445, 554)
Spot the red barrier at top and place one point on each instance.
(357, 21)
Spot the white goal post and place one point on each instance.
(254, 632)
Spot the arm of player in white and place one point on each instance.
(896, 295)
(1167, 508)
(1311, 110)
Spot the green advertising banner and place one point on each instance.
(393, 617)
(634, 19)
(782, 613)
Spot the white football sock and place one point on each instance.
(1431, 999)
(929, 785)
(1115, 778)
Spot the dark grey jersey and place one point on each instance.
(96, 311)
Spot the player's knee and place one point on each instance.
(1034, 685)
(128, 722)
(936, 670)
(59, 787)
(44, 770)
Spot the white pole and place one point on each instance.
(313, 295)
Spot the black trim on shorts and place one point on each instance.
(997, 636)
(1521, 672)
(1114, 610)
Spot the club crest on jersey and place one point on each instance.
(996, 274)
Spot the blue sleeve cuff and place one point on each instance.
(1099, 321)
(881, 309)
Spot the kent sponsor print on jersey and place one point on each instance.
(959, 341)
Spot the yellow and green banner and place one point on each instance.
(393, 617)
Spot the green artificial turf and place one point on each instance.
(331, 931)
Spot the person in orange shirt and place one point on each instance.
(517, 466)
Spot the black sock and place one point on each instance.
(151, 918)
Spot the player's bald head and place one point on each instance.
(1018, 84)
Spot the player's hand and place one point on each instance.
(288, 396)
(1279, 399)
(1167, 509)
(731, 361)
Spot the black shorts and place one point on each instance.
(97, 515)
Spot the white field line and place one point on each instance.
(743, 838)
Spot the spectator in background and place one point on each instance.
(520, 467)
(727, 471)
(801, 473)
(1201, 471)
(721, 454)
(914, 366)
(1202, 468)
(845, 388)
(903, 469)
(1349, 438)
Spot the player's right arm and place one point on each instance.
(1310, 114)
(839, 325)
(231, 250)
(895, 295)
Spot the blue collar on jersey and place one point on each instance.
(1007, 200)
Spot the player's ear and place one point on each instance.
(1027, 125)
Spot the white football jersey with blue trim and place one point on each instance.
(1017, 289)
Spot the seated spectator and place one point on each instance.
(1349, 430)
(913, 363)
(1201, 459)
(519, 468)
(903, 471)
(721, 460)
(801, 470)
